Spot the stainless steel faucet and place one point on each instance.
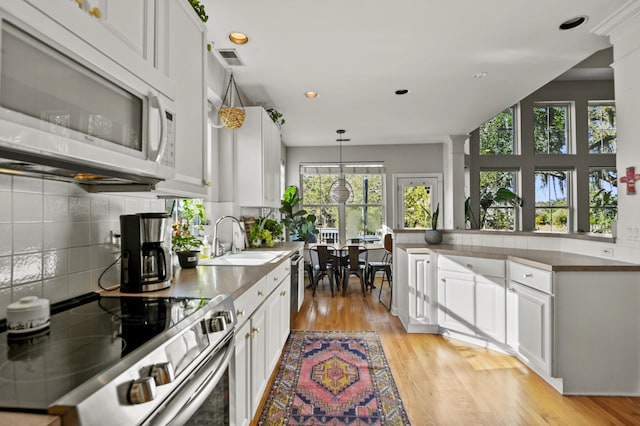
(218, 249)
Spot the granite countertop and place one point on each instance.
(544, 259)
(211, 281)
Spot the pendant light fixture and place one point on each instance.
(340, 191)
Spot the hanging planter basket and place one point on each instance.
(231, 116)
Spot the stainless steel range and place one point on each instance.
(124, 360)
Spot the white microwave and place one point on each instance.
(70, 111)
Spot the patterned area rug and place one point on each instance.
(333, 378)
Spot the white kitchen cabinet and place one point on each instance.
(187, 69)
(414, 291)
(262, 330)
(472, 297)
(240, 376)
(530, 316)
(258, 148)
(133, 34)
(277, 323)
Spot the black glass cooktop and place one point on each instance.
(84, 338)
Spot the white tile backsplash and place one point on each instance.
(56, 208)
(79, 259)
(27, 268)
(27, 237)
(56, 237)
(6, 210)
(27, 207)
(6, 242)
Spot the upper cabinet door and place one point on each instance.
(258, 176)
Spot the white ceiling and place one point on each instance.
(356, 53)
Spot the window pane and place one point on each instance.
(552, 201)
(495, 212)
(603, 199)
(602, 129)
(366, 188)
(363, 221)
(550, 129)
(497, 135)
(417, 206)
(316, 187)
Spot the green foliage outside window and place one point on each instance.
(417, 207)
(550, 129)
(603, 200)
(497, 134)
(602, 129)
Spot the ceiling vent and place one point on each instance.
(230, 56)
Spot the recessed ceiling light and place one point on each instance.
(481, 74)
(573, 22)
(311, 94)
(238, 38)
(402, 91)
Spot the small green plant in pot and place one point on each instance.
(259, 235)
(183, 242)
(433, 235)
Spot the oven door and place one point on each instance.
(204, 397)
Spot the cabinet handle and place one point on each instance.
(444, 280)
(260, 293)
(207, 183)
(512, 290)
(275, 279)
(95, 12)
(527, 275)
(286, 268)
(240, 312)
(283, 293)
(470, 266)
(256, 329)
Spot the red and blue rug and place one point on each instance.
(333, 378)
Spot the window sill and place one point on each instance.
(575, 236)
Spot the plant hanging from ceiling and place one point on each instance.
(199, 8)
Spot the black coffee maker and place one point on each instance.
(146, 260)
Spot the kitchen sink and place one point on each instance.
(245, 258)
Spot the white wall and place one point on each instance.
(626, 50)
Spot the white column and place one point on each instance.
(453, 161)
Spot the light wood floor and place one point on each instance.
(446, 382)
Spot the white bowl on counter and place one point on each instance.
(28, 314)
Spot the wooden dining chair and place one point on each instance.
(322, 266)
(357, 264)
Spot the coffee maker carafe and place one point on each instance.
(146, 261)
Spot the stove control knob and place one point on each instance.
(217, 324)
(163, 373)
(142, 390)
(228, 316)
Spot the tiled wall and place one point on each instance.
(55, 238)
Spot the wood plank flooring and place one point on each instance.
(447, 382)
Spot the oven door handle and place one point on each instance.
(191, 396)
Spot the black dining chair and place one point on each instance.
(357, 261)
(385, 266)
(321, 256)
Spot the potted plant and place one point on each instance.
(433, 235)
(300, 224)
(259, 234)
(184, 243)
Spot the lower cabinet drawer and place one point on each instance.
(250, 300)
(532, 277)
(275, 277)
(475, 265)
